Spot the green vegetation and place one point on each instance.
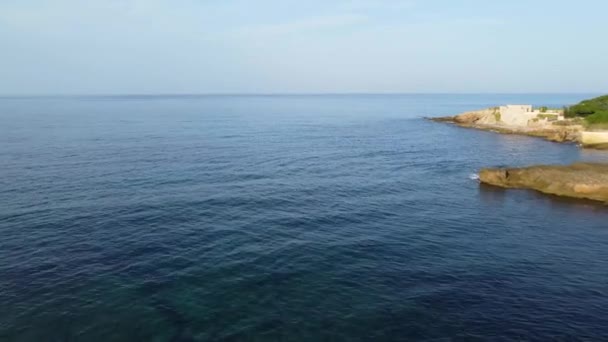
(595, 111)
(549, 117)
(497, 115)
(575, 121)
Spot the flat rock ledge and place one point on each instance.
(555, 133)
(580, 180)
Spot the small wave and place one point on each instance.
(474, 176)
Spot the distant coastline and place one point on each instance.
(585, 124)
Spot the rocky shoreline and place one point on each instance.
(580, 180)
(568, 131)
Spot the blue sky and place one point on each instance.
(313, 46)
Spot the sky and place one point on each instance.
(55, 47)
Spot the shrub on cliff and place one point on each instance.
(594, 111)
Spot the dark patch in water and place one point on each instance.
(183, 332)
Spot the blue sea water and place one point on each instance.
(287, 218)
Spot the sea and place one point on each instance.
(288, 218)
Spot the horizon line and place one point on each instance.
(269, 94)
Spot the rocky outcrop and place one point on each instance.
(490, 116)
(597, 146)
(596, 140)
(555, 133)
(490, 120)
(581, 180)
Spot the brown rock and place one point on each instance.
(597, 146)
(580, 180)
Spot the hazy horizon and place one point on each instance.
(76, 95)
(158, 47)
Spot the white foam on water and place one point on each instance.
(474, 176)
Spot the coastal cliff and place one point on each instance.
(580, 180)
(585, 123)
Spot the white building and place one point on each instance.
(525, 115)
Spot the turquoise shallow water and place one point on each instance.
(296, 218)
